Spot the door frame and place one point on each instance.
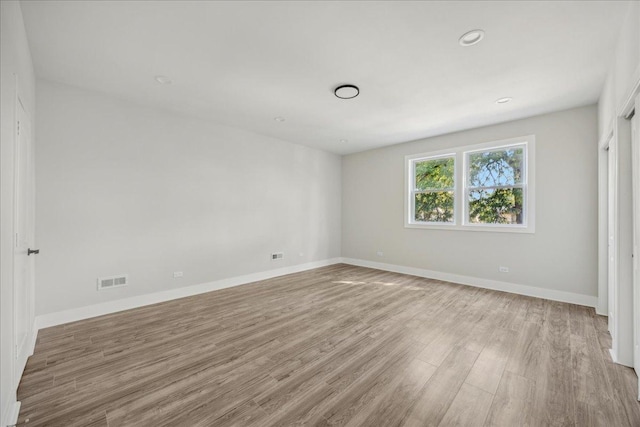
(635, 191)
(631, 104)
(604, 165)
(613, 240)
(618, 133)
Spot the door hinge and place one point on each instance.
(18, 127)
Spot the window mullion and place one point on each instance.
(460, 181)
(434, 190)
(495, 187)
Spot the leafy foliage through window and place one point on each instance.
(495, 194)
(495, 189)
(434, 190)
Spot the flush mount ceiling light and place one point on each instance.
(279, 119)
(164, 80)
(344, 141)
(503, 100)
(346, 91)
(471, 37)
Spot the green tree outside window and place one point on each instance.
(434, 190)
(495, 186)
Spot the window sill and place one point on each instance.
(484, 228)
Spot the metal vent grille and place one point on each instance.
(112, 282)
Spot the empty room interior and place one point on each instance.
(322, 213)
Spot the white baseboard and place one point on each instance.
(514, 288)
(80, 313)
(72, 315)
(11, 414)
(33, 338)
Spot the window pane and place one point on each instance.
(434, 174)
(436, 206)
(496, 206)
(493, 168)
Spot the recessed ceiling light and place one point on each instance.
(279, 119)
(163, 80)
(503, 100)
(346, 91)
(471, 37)
(344, 141)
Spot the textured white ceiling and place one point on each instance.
(244, 63)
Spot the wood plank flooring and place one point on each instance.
(339, 345)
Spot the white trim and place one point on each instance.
(460, 154)
(603, 223)
(29, 347)
(72, 315)
(514, 288)
(614, 358)
(12, 413)
(494, 228)
(620, 284)
(86, 312)
(635, 228)
(410, 176)
(606, 136)
(628, 103)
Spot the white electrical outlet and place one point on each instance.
(502, 269)
(380, 253)
(177, 274)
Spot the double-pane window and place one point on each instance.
(486, 187)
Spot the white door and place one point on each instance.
(611, 235)
(23, 239)
(635, 170)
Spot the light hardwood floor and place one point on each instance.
(339, 345)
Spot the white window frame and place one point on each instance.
(412, 185)
(461, 188)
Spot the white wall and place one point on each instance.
(15, 59)
(623, 75)
(624, 71)
(125, 189)
(561, 255)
